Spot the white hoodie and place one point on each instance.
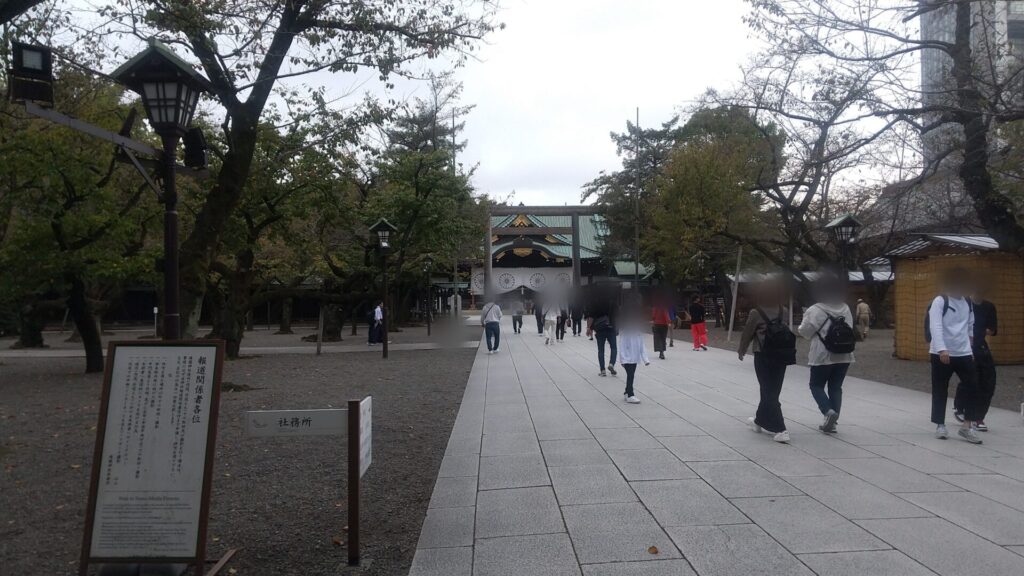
(816, 322)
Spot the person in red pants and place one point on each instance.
(698, 327)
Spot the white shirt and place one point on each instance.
(631, 347)
(491, 313)
(816, 322)
(957, 326)
(378, 314)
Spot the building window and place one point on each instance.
(1016, 6)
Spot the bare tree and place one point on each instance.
(971, 88)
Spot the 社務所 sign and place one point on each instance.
(327, 422)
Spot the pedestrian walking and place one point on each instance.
(490, 319)
(632, 351)
(561, 322)
(863, 319)
(517, 316)
(659, 327)
(576, 315)
(985, 324)
(601, 325)
(376, 325)
(773, 344)
(698, 327)
(949, 329)
(550, 315)
(829, 326)
(538, 313)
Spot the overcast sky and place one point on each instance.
(564, 73)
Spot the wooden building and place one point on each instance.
(919, 266)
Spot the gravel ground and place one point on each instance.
(875, 362)
(281, 500)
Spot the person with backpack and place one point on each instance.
(829, 326)
(490, 319)
(949, 330)
(986, 324)
(774, 347)
(601, 314)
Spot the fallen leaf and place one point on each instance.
(337, 541)
(76, 466)
(216, 538)
(232, 571)
(652, 550)
(345, 528)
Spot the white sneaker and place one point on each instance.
(970, 435)
(782, 437)
(940, 432)
(495, 350)
(633, 400)
(753, 425)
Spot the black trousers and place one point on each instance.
(560, 327)
(540, 323)
(630, 373)
(517, 323)
(985, 366)
(770, 375)
(660, 332)
(577, 326)
(962, 366)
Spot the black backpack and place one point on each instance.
(945, 308)
(779, 341)
(840, 337)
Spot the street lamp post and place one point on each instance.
(428, 265)
(844, 231)
(383, 229)
(170, 89)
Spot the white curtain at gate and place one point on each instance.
(536, 279)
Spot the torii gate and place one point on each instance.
(574, 212)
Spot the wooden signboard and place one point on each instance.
(151, 474)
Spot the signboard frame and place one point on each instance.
(199, 560)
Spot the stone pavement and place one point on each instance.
(549, 472)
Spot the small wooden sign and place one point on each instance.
(327, 422)
(149, 493)
(365, 434)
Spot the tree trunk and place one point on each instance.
(332, 323)
(85, 323)
(355, 318)
(286, 317)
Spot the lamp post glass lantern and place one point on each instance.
(844, 230)
(384, 229)
(170, 90)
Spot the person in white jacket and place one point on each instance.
(951, 337)
(490, 318)
(631, 351)
(828, 368)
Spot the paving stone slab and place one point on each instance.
(443, 562)
(856, 499)
(456, 492)
(891, 476)
(996, 487)
(625, 439)
(615, 533)
(509, 444)
(804, 525)
(517, 512)
(1017, 549)
(787, 461)
(742, 479)
(590, 485)
(607, 419)
(515, 471)
(878, 563)
(699, 449)
(829, 446)
(924, 460)
(687, 503)
(447, 528)
(459, 465)
(946, 549)
(656, 464)
(672, 426)
(1006, 465)
(545, 555)
(574, 452)
(734, 550)
(651, 568)
(988, 519)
